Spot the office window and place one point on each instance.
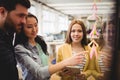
(32, 10)
(48, 22)
(63, 23)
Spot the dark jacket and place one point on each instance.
(8, 69)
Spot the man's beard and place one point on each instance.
(9, 26)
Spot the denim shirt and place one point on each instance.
(31, 63)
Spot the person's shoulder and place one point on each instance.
(65, 45)
(2, 34)
(19, 47)
(86, 47)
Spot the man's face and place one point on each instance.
(16, 19)
(3, 15)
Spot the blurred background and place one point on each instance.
(55, 16)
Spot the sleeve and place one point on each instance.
(59, 55)
(22, 55)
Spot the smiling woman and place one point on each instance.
(75, 43)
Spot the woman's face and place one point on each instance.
(76, 33)
(31, 28)
(108, 34)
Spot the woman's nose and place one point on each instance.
(34, 28)
(76, 33)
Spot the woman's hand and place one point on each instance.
(75, 59)
(66, 72)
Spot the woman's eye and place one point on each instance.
(76, 31)
(29, 26)
(73, 31)
(79, 30)
(36, 25)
